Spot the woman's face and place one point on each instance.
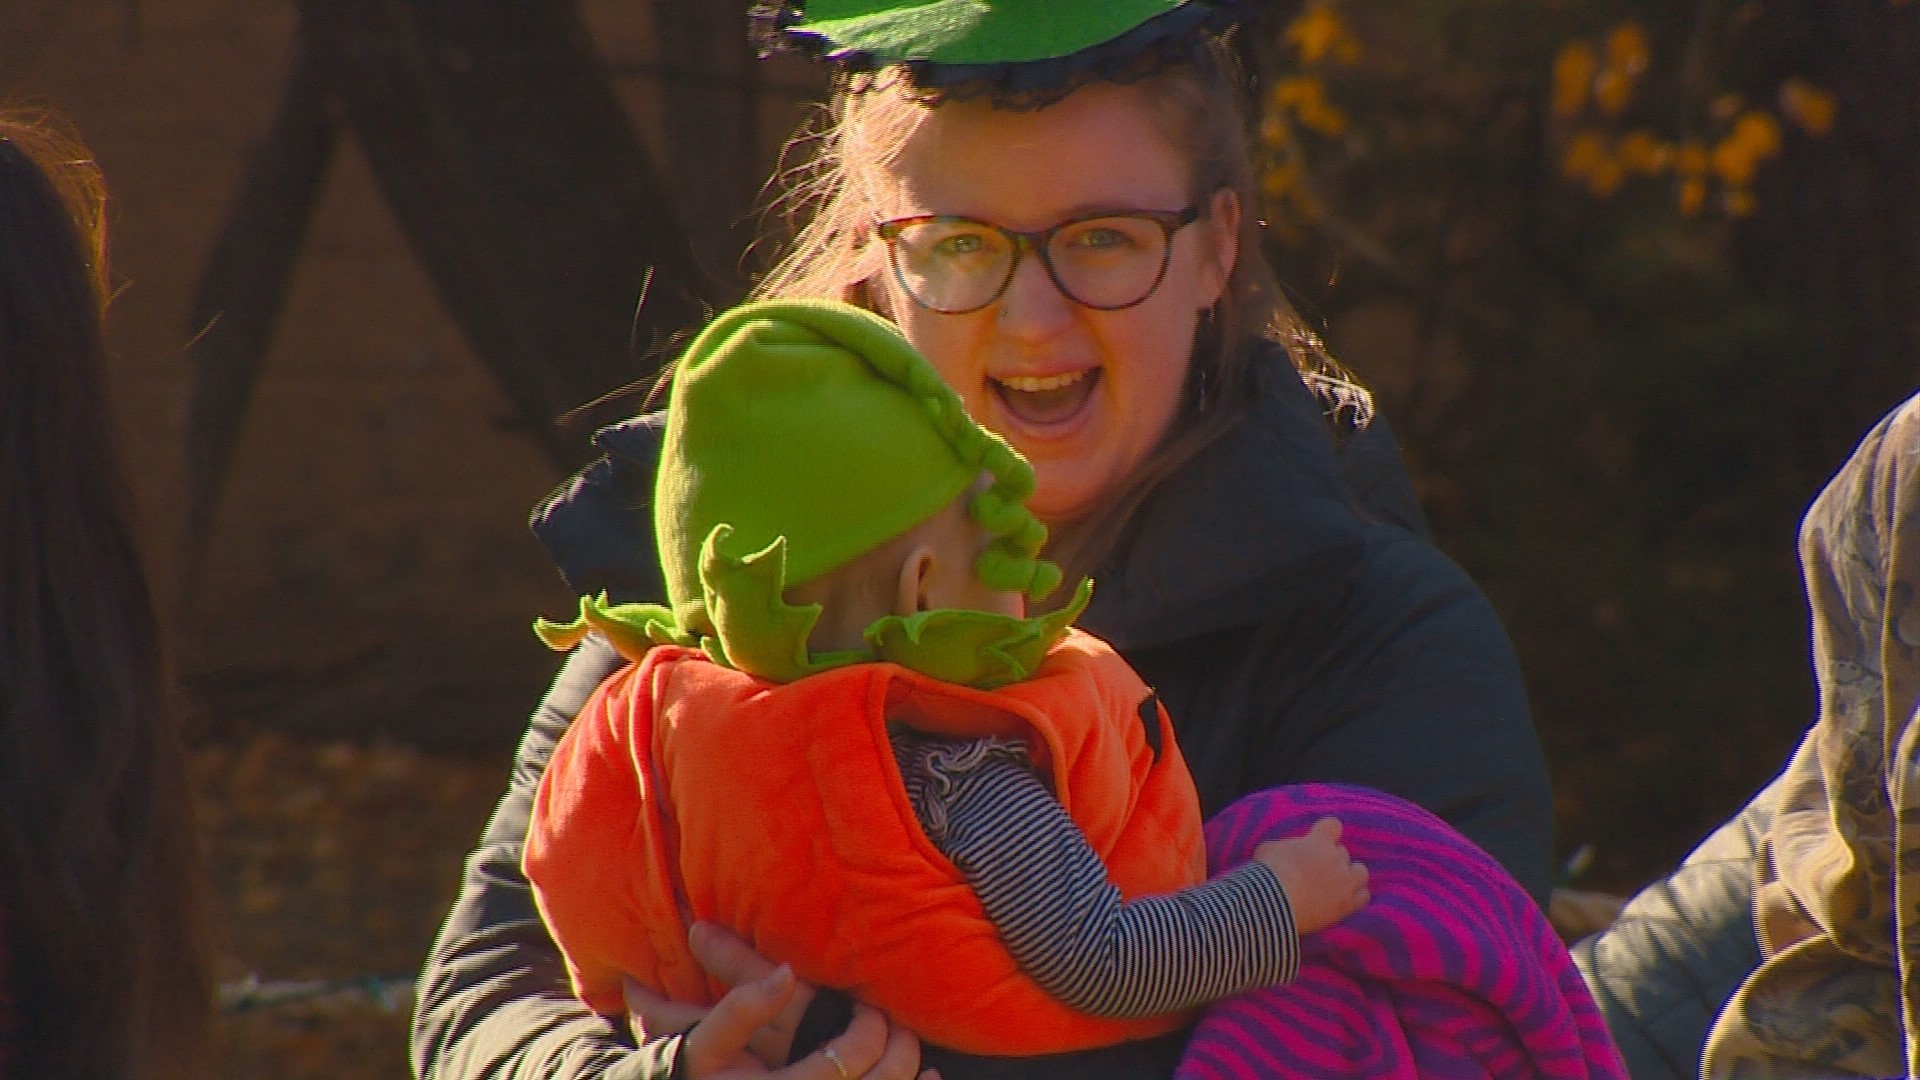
(1084, 394)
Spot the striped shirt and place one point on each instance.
(1045, 890)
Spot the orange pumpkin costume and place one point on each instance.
(690, 791)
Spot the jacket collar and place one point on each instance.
(1255, 525)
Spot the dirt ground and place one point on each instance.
(332, 863)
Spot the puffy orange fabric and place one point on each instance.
(687, 790)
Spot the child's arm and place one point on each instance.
(1065, 923)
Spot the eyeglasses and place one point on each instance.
(1104, 261)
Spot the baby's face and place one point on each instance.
(956, 541)
(951, 582)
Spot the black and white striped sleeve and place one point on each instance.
(1065, 923)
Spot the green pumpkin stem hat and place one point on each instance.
(800, 435)
(1017, 53)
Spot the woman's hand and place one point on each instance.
(750, 1030)
(1323, 884)
(734, 963)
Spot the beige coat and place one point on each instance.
(1837, 908)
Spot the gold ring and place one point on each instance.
(828, 1053)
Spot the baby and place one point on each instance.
(845, 741)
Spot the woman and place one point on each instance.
(103, 967)
(1068, 237)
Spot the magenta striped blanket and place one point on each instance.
(1451, 970)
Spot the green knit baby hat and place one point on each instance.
(811, 431)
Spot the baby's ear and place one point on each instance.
(911, 596)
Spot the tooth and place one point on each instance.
(1033, 384)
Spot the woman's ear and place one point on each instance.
(872, 294)
(1223, 223)
(911, 594)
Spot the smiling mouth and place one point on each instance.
(1046, 399)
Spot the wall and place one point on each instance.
(369, 571)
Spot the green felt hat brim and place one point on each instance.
(972, 31)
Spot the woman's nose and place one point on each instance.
(1033, 306)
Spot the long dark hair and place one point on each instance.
(100, 883)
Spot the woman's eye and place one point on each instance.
(1102, 238)
(961, 244)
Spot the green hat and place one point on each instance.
(801, 434)
(1020, 52)
(815, 421)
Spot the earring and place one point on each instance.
(1205, 344)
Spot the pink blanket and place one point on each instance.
(1451, 970)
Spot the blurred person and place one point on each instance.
(1787, 944)
(105, 972)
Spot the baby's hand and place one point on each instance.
(1323, 884)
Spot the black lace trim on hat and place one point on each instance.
(1169, 39)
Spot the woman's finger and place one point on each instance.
(853, 1053)
(732, 961)
(651, 1015)
(721, 1038)
(900, 1059)
(725, 956)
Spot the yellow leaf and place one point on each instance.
(1612, 91)
(1740, 202)
(1584, 154)
(1726, 107)
(1318, 33)
(1273, 130)
(1691, 159)
(1296, 92)
(1643, 153)
(1280, 179)
(1306, 98)
(1693, 195)
(1572, 78)
(1734, 163)
(1808, 106)
(1606, 177)
(1324, 119)
(1759, 132)
(1627, 49)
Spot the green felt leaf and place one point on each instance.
(974, 648)
(632, 628)
(755, 629)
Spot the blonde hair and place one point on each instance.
(823, 201)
